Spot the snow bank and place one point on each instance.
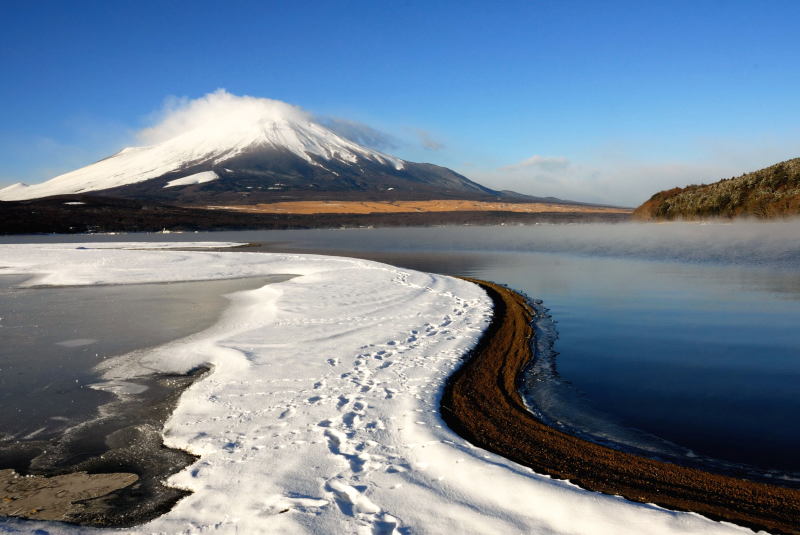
(320, 415)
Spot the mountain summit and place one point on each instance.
(224, 148)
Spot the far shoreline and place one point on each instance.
(481, 403)
(79, 214)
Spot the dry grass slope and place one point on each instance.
(768, 193)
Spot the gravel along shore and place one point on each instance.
(482, 404)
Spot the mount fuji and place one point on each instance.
(230, 149)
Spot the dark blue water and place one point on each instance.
(678, 341)
(673, 359)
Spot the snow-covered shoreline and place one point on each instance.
(321, 414)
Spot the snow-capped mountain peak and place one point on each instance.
(210, 131)
(225, 125)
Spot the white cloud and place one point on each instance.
(180, 114)
(541, 163)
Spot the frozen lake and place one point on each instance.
(53, 338)
(678, 341)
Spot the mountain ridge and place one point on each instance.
(256, 150)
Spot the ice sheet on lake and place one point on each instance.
(320, 415)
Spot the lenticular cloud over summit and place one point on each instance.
(220, 110)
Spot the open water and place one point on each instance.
(678, 341)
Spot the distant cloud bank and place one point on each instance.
(619, 179)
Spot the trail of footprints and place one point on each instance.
(379, 372)
(358, 441)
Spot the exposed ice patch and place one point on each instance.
(77, 342)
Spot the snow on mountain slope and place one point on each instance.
(212, 129)
(197, 178)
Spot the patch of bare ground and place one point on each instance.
(482, 404)
(61, 497)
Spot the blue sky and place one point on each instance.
(600, 101)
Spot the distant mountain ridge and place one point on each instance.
(259, 150)
(770, 192)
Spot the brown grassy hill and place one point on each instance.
(767, 193)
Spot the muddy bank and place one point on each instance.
(482, 403)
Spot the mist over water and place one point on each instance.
(750, 242)
(746, 242)
(676, 340)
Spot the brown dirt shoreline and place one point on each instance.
(481, 403)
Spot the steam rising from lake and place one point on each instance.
(752, 242)
(749, 242)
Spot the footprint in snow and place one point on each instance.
(276, 505)
(352, 420)
(288, 413)
(350, 500)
